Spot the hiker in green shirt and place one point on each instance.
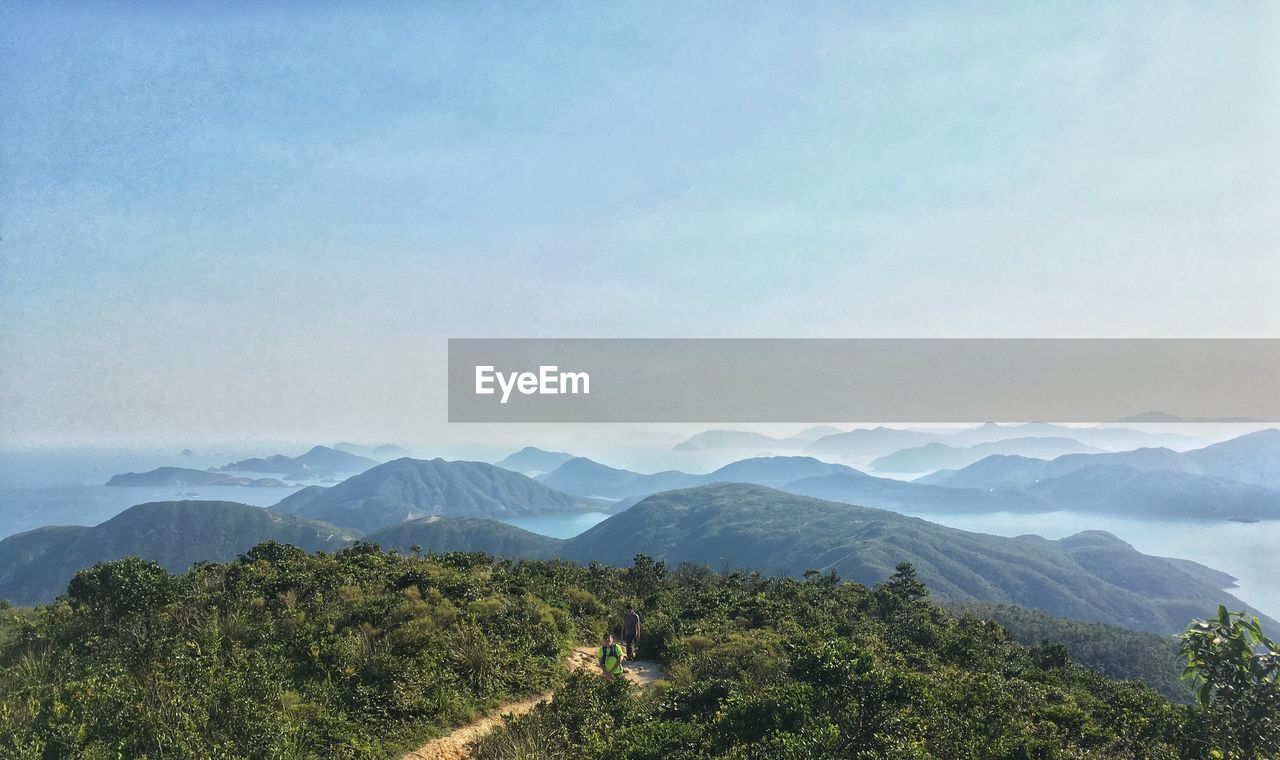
(610, 658)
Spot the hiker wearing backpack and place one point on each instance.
(610, 658)
(630, 631)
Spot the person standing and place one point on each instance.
(610, 658)
(630, 631)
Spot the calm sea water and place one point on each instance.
(39, 488)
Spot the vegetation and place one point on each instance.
(1235, 668)
(364, 653)
(815, 668)
(1113, 651)
(280, 654)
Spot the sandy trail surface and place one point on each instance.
(457, 744)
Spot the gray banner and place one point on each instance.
(861, 380)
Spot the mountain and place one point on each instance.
(1252, 458)
(816, 432)
(464, 534)
(881, 441)
(382, 453)
(37, 565)
(870, 442)
(319, 461)
(533, 461)
(1126, 490)
(800, 475)
(1012, 470)
(1239, 478)
(184, 476)
(1091, 576)
(587, 477)
(937, 456)
(855, 487)
(1110, 438)
(406, 489)
(738, 439)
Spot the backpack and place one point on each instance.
(610, 651)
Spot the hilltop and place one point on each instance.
(405, 489)
(533, 461)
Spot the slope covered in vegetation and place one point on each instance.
(363, 653)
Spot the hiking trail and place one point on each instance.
(456, 745)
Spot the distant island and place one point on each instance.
(319, 462)
(185, 476)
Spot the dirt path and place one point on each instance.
(456, 745)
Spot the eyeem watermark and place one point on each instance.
(547, 381)
(890, 380)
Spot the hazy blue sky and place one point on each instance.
(240, 223)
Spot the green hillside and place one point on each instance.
(35, 566)
(366, 654)
(1092, 576)
(464, 534)
(1113, 651)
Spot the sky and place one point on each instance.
(222, 221)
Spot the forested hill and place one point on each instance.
(405, 489)
(364, 654)
(35, 566)
(1091, 576)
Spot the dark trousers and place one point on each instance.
(630, 640)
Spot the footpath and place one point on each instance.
(457, 744)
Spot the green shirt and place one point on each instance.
(611, 656)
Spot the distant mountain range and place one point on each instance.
(185, 476)
(383, 452)
(1252, 458)
(862, 443)
(1092, 576)
(534, 461)
(320, 461)
(880, 441)
(1237, 479)
(406, 489)
(739, 440)
(37, 565)
(1015, 487)
(937, 456)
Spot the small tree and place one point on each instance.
(1234, 667)
(904, 584)
(121, 587)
